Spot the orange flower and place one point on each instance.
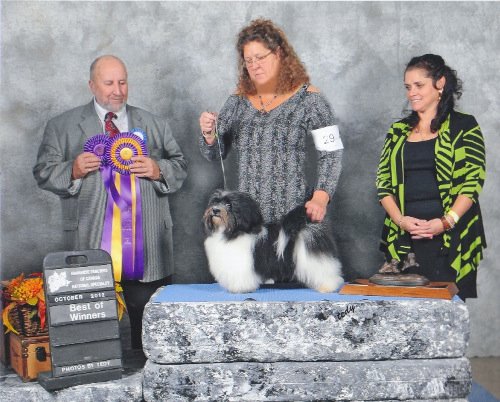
(21, 291)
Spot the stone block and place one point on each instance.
(344, 329)
(426, 379)
(129, 389)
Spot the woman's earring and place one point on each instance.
(440, 94)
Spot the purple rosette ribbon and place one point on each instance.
(124, 192)
(98, 145)
(121, 149)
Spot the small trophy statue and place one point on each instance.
(391, 273)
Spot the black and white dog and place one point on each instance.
(244, 253)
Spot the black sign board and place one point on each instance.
(82, 317)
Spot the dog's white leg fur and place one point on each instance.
(320, 272)
(232, 262)
(281, 244)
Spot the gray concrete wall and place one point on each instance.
(181, 60)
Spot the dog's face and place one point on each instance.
(232, 212)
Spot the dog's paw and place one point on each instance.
(239, 290)
(325, 289)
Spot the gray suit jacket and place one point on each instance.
(84, 201)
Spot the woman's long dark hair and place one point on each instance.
(452, 90)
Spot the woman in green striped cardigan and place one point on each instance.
(429, 178)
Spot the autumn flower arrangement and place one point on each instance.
(26, 294)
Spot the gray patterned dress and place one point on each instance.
(272, 149)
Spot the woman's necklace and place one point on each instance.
(263, 108)
(417, 130)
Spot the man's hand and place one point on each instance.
(145, 167)
(84, 164)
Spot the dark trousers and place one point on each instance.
(136, 295)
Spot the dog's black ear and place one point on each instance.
(247, 213)
(216, 196)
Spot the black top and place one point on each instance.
(422, 198)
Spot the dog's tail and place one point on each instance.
(292, 223)
(310, 249)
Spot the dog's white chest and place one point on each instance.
(232, 262)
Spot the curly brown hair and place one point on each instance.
(292, 73)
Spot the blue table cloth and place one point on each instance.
(213, 292)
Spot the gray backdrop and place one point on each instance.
(181, 60)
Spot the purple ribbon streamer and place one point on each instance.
(109, 182)
(107, 230)
(127, 229)
(139, 244)
(132, 267)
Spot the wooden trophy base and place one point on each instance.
(433, 290)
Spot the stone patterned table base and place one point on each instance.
(210, 332)
(427, 379)
(129, 389)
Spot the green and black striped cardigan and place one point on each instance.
(460, 169)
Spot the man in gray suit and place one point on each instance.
(64, 169)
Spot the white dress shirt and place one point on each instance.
(121, 121)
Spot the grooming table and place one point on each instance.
(283, 344)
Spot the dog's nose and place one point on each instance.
(215, 210)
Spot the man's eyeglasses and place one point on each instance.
(257, 60)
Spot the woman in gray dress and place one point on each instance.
(267, 119)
